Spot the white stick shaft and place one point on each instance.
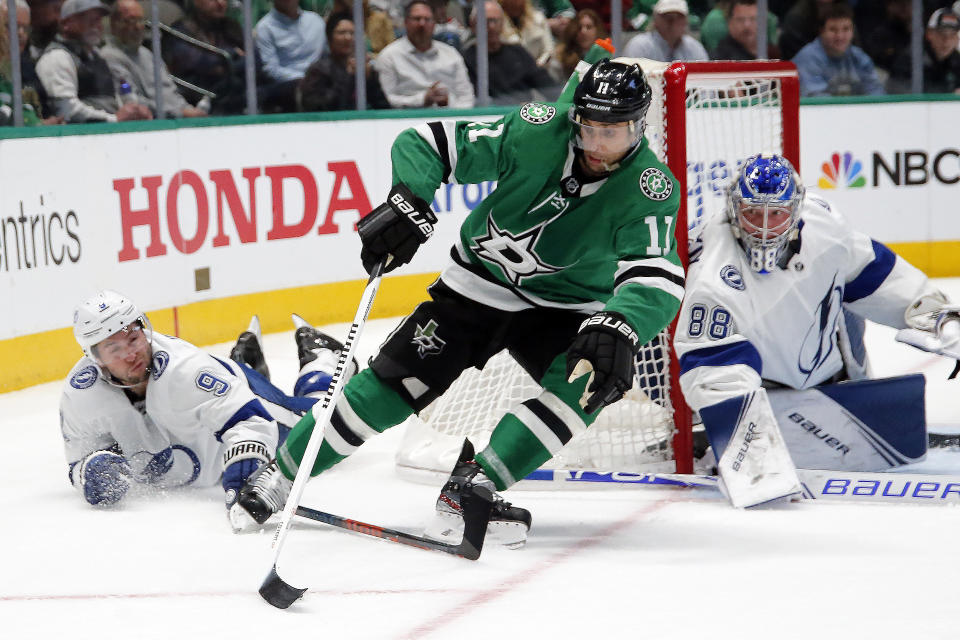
(322, 416)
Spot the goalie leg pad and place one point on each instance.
(754, 463)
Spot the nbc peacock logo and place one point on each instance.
(842, 171)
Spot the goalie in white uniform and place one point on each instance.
(767, 289)
(142, 407)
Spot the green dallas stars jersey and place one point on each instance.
(542, 238)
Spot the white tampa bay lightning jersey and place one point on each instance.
(738, 328)
(199, 405)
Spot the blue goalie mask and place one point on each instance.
(763, 207)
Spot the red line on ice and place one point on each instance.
(482, 597)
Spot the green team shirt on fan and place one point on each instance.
(544, 237)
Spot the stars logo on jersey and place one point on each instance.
(536, 113)
(84, 378)
(655, 184)
(732, 277)
(513, 254)
(427, 341)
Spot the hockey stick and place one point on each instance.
(943, 440)
(476, 515)
(274, 589)
(818, 484)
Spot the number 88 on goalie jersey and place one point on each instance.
(738, 327)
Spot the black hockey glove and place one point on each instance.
(396, 229)
(605, 347)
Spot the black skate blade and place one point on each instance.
(277, 592)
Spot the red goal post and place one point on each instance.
(676, 80)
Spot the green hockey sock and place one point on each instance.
(375, 408)
(535, 431)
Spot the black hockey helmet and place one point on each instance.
(609, 95)
(612, 92)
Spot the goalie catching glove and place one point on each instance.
(605, 347)
(395, 229)
(934, 326)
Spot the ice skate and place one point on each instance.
(265, 493)
(508, 525)
(310, 342)
(319, 355)
(249, 349)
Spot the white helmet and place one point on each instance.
(99, 317)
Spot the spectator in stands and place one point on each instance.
(801, 25)
(579, 36)
(289, 40)
(891, 35)
(941, 60)
(714, 27)
(23, 22)
(740, 42)
(76, 78)
(448, 29)
(34, 94)
(418, 71)
(44, 23)
(603, 9)
(378, 24)
(31, 116)
(668, 40)
(132, 62)
(222, 74)
(559, 14)
(329, 83)
(514, 74)
(526, 25)
(260, 8)
(831, 64)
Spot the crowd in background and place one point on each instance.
(87, 61)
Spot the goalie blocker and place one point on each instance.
(866, 425)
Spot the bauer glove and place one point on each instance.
(240, 462)
(605, 348)
(395, 229)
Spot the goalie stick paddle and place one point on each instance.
(274, 589)
(818, 484)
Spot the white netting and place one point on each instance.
(729, 117)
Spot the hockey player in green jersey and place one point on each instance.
(570, 264)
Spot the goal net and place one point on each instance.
(704, 119)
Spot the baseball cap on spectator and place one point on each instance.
(73, 7)
(671, 6)
(944, 19)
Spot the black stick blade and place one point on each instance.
(277, 592)
(476, 514)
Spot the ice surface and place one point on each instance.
(642, 563)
